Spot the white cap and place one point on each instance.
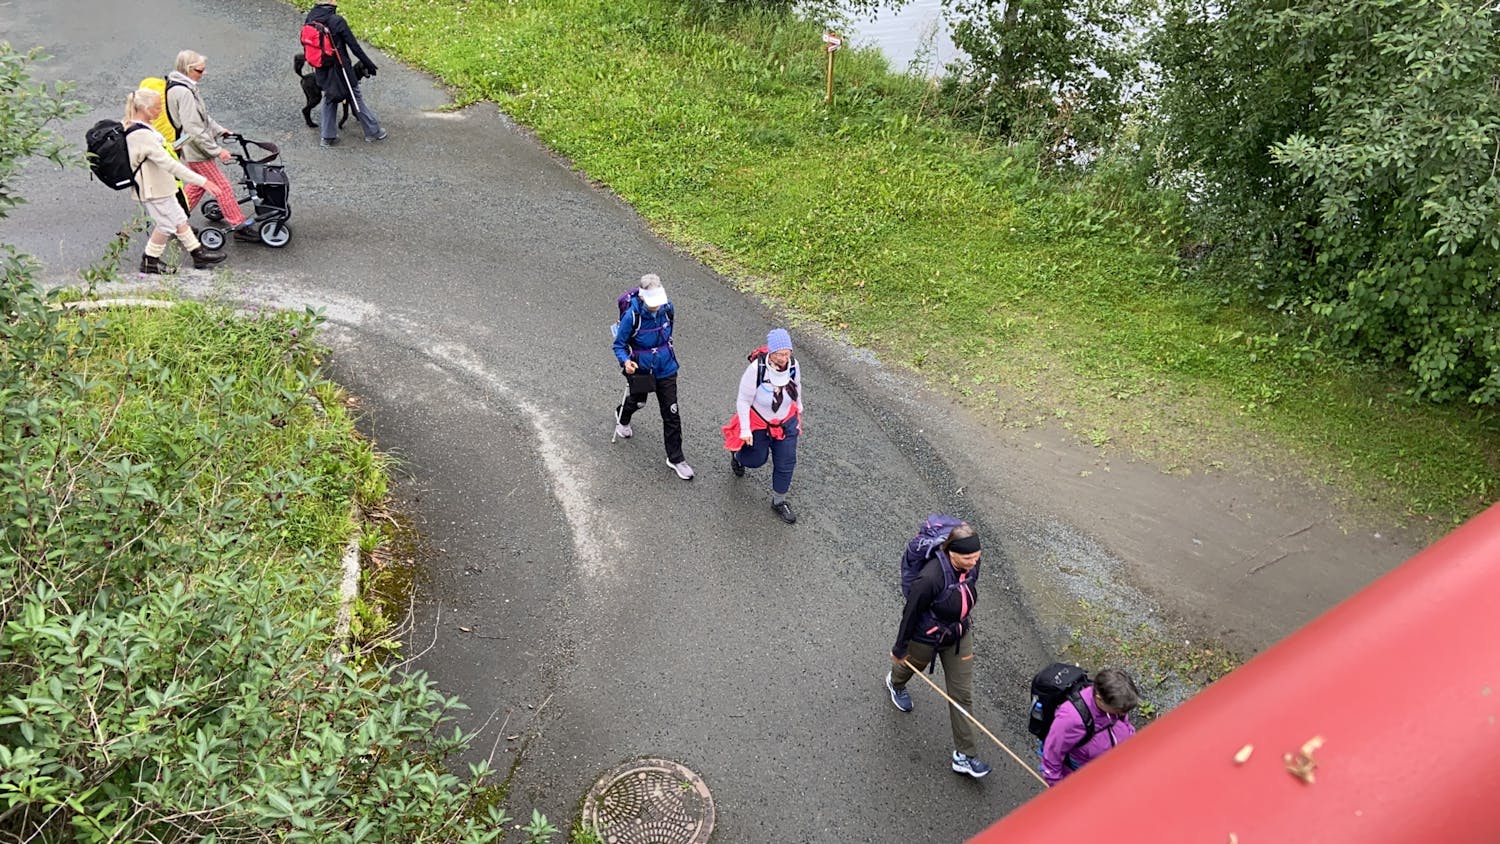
(654, 297)
(651, 291)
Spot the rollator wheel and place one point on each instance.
(275, 234)
(212, 211)
(211, 237)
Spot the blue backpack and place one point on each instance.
(923, 547)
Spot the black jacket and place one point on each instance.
(928, 604)
(343, 40)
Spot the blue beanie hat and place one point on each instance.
(778, 339)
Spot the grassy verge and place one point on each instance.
(1167, 664)
(877, 218)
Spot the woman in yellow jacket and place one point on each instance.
(156, 175)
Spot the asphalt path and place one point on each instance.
(576, 594)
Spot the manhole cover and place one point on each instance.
(650, 801)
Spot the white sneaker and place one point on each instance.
(682, 469)
(623, 431)
(970, 765)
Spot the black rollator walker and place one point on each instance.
(266, 187)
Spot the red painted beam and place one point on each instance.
(1401, 682)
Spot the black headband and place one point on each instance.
(966, 545)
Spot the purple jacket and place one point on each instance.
(1067, 730)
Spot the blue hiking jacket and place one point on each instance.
(650, 346)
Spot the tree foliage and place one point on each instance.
(27, 108)
(1054, 71)
(1351, 149)
(165, 629)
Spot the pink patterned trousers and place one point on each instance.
(218, 186)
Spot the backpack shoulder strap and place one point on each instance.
(950, 575)
(166, 102)
(126, 135)
(760, 370)
(1088, 719)
(635, 317)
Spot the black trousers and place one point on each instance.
(671, 422)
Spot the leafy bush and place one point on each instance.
(1043, 70)
(1350, 149)
(169, 534)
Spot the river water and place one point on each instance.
(914, 38)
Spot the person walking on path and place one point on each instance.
(940, 597)
(198, 137)
(768, 418)
(156, 175)
(1070, 744)
(643, 347)
(326, 13)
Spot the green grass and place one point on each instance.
(208, 366)
(1167, 664)
(878, 218)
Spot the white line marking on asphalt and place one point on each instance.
(570, 484)
(592, 533)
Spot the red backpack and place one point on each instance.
(317, 44)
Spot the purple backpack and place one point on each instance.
(624, 300)
(930, 537)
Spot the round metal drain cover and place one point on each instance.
(650, 801)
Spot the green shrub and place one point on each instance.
(1049, 71)
(170, 538)
(1346, 152)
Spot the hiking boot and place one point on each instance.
(784, 512)
(735, 467)
(328, 142)
(203, 257)
(154, 265)
(370, 139)
(682, 469)
(900, 697)
(623, 431)
(248, 232)
(969, 765)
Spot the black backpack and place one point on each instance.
(1049, 688)
(109, 154)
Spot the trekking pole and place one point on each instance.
(953, 703)
(349, 86)
(618, 412)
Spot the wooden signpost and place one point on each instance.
(832, 41)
